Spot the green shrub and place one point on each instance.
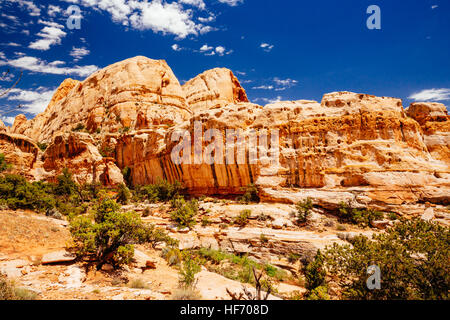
(160, 191)
(251, 194)
(110, 236)
(79, 127)
(319, 293)
(126, 172)
(18, 193)
(184, 213)
(206, 222)
(138, 283)
(188, 271)
(243, 218)
(172, 255)
(186, 294)
(362, 217)
(315, 272)
(413, 257)
(8, 291)
(263, 238)
(42, 146)
(107, 151)
(123, 194)
(303, 210)
(3, 164)
(65, 186)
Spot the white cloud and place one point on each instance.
(8, 120)
(431, 95)
(196, 3)
(33, 10)
(232, 2)
(272, 100)
(211, 51)
(52, 10)
(12, 18)
(11, 44)
(267, 47)
(36, 65)
(211, 18)
(220, 50)
(51, 34)
(434, 7)
(32, 101)
(264, 88)
(284, 84)
(205, 47)
(79, 53)
(176, 47)
(157, 15)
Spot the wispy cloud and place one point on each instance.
(32, 9)
(232, 2)
(269, 100)
(159, 16)
(267, 47)
(79, 53)
(37, 65)
(431, 95)
(32, 101)
(50, 35)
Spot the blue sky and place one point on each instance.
(279, 49)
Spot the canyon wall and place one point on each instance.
(349, 146)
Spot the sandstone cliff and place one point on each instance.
(349, 147)
(214, 88)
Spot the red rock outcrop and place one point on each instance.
(214, 88)
(135, 93)
(77, 152)
(349, 147)
(20, 151)
(435, 123)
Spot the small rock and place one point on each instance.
(279, 223)
(54, 213)
(58, 257)
(428, 215)
(150, 265)
(184, 230)
(107, 267)
(380, 224)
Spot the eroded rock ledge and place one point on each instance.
(350, 146)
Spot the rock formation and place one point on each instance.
(214, 88)
(349, 147)
(77, 152)
(20, 151)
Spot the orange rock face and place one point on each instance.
(349, 147)
(20, 151)
(77, 153)
(137, 92)
(214, 88)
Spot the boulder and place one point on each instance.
(56, 257)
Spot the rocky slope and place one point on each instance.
(349, 147)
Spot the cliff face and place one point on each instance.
(20, 151)
(134, 94)
(214, 88)
(349, 146)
